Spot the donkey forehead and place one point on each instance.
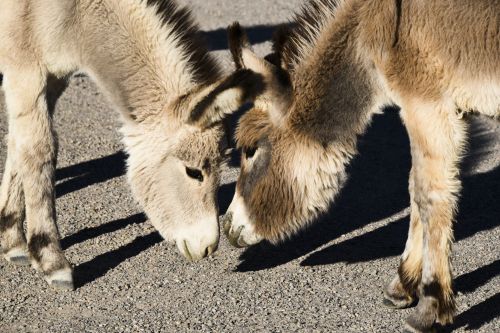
(252, 127)
(201, 147)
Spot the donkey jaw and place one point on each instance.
(238, 227)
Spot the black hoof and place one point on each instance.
(63, 285)
(412, 330)
(399, 303)
(20, 261)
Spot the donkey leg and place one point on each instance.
(437, 138)
(401, 292)
(35, 155)
(12, 213)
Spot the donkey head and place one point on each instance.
(175, 160)
(275, 193)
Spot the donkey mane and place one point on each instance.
(294, 42)
(183, 25)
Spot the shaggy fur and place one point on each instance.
(146, 57)
(347, 59)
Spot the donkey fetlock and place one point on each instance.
(47, 257)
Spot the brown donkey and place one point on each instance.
(171, 96)
(338, 65)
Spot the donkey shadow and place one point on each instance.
(376, 190)
(484, 312)
(88, 173)
(79, 176)
(478, 315)
(97, 267)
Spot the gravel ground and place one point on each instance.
(328, 279)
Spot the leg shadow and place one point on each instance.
(82, 175)
(482, 313)
(100, 265)
(379, 243)
(89, 233)
(478, 210)
(469, 282)
(377, 188)
(478, 315)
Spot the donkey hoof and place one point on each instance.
(61, 279)
(396, 297)
(63, 285)
(18, 256)
(390, 304)
(409, 329)
(421, 321)
(397, 303)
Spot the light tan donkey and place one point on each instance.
(339, 63)
(170, 93)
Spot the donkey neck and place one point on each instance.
(336, 94)
(144, 55)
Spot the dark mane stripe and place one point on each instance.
(180, 20)
(304, 29)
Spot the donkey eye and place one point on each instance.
(250, 152)
(195, 174)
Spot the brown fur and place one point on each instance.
(346, 59)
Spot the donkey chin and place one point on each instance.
(238, 227)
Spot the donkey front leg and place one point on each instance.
(437, 137)
(12, 212)
(34, 155)
(401, 292)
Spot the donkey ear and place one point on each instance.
(214, 103)
(238, 40)
(242, 52)
(279, 89)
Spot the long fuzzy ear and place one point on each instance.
(238, 40)
(280, 39)
(279, 90)
(214, 103)
(242, 52)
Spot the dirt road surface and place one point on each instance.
(328, 279)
